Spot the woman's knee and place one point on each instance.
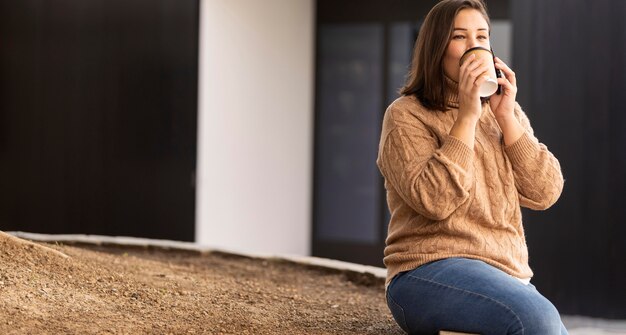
(538, 316)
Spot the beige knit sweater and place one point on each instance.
(449, 201)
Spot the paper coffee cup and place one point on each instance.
(490, 86)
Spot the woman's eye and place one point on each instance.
(458, 37)
(482, 37)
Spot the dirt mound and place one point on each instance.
(77, 290)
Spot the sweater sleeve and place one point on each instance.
(537, 172)
(434, 179)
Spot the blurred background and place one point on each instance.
(254, 125)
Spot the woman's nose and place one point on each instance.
(471, 43)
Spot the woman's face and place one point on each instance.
(470, 30)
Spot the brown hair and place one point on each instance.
(426, 77)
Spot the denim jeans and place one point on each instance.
(466, 295)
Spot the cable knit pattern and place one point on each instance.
(449, 201)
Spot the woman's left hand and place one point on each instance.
(503, 104)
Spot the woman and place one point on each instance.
(457, 169)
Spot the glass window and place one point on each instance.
(349, 102)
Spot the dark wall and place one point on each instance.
(570, 59)
(98, 116)
(350, 11)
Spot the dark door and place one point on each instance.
(361, 62)
(363, 52)
(355, 81)
(98, 117)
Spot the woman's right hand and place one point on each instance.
(470, 79)
(470, 107)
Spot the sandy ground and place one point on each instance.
(113, 290)
(148, 290)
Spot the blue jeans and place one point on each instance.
(466, 295)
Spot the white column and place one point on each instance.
(255, 125)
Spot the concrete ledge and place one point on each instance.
(377, 272)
